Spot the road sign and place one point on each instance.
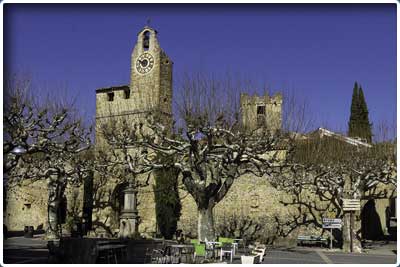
(351, 204)
(332, 226)
(331, 220)
(332, 223)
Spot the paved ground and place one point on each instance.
(378, 253)
(27, 250)
(305, 256)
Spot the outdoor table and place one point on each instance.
(111, 249)
(213, 244)
(230, 251)
(179, 250)
(238, 240)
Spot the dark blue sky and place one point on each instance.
(318, 51)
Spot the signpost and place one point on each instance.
(330, 223)
(351, 205)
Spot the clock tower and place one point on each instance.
(150, 86)
(149, 89)
(151, 74)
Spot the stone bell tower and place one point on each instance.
(149, 89)
(150, 85)
(151, 73)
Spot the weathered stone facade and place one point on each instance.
(26, 205)
(258, 111)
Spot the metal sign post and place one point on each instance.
(351, 204)
(329, 223)
(351, 231)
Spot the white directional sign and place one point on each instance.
(332, 223)
(331, 220)
(351, 204)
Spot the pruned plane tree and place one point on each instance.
(50, 141)
(321, 173)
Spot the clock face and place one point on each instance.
(144, 63)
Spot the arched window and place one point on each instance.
(146, 40)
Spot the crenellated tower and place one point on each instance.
(261, 111)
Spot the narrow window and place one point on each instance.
(146, 40)
(127, 94)
(260, 110)
(260, 116)
(110, 96)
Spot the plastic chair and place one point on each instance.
(225, 240)
(194, 241)
(227, 248)
(199, 251)
(260, 250)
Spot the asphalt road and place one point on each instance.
(296, 256)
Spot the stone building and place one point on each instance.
(258, 111)
(151, 86)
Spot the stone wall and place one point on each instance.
(27, 205)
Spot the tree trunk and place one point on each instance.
(357, 246)
(205, 226)
(351, 243)
(55, 191)
(351, 220)
(52, 229)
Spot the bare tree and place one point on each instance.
(49, 140)
(322, 172)
(213, 149)
(297, 118)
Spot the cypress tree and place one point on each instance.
(354, 113)
(168, 205)
(359, 125)
(365, 125)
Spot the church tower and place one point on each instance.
(149, 89)
(151, 73)
(150, 85)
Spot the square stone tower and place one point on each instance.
(150, 85)
(261, 111)
(150, 89)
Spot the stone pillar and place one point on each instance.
(129, 220)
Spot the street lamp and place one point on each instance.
(18, 150)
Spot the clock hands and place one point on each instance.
(144, 63)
